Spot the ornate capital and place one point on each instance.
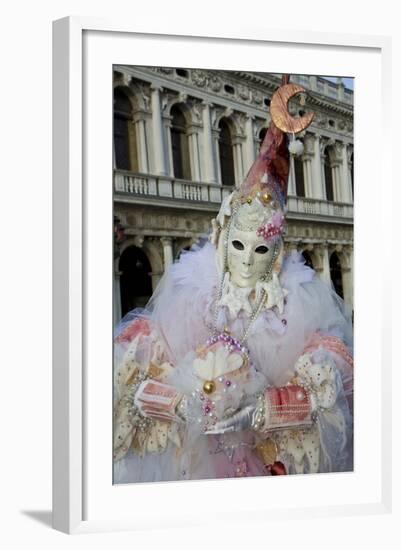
(216, 114)
(156, 87)
(166, 241)
(167, 101)
(350, 152)
(206, 103)
(138, 240)
(121, 79)
(196, 108)
(182, 97)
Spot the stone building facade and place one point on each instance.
(184, 137)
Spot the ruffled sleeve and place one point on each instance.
(139, 355)
(310, 418)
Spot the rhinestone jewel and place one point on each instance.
(300, 395)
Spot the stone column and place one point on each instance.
(238, 162)
(307, 166)
(350, 151)
(291, 178)
(169, 148)
(209, 153)
(160, 165)
(322, 146)
(142, 143)
(322, 268)
(346, 176)
(317, 169)
(168, 256)
(215, 134)
(194, 153)
(337, 184)
(346, 259)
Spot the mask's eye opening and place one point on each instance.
(262, 249)
(238, 245)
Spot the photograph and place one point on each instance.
(233, 273)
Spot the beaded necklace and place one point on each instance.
(256, 311)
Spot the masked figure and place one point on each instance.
(241, 364)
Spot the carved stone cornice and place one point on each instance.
(199, 77)
(156, 222)
(215, 83)
(249, 91)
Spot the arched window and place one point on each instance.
(308, 259)
(179, 143)
(336, 274)
(328, 173)
(262, 135)
(226, 154)
(299, 175)
(135, 279)
(124, 140)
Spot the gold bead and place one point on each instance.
(209, 386)
(267, 197)
(249, 200)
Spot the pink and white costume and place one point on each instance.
(310, 343)
(216, 378)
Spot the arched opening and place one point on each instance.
(328, 173)
(135, 279)
(336, 274)
(124, 135)
(262, 135)
(179, 143)
(299, 175)
(308, 259)
(226, 154)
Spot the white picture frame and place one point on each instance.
(83, 496)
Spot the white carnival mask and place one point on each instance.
(249, 254)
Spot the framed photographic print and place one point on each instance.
(209, 278)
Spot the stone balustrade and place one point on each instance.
(321, 208)
(161, 187)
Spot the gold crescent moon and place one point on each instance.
(279, 110)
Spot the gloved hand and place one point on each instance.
(241, 420)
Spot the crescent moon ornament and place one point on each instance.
(279, 110)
